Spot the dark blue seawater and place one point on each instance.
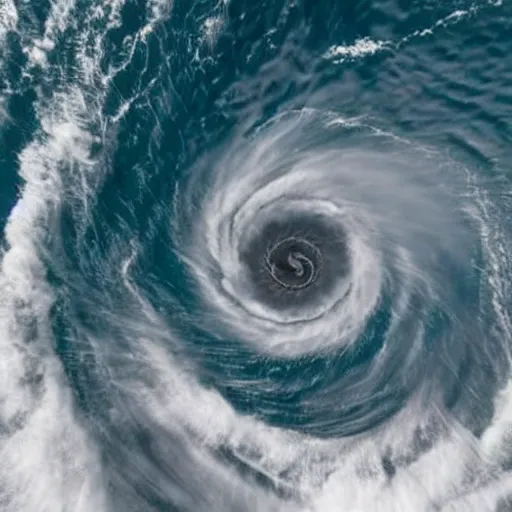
(256, 256)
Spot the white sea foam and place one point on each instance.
(47, 462)
(8, 19)
(58, 20)
(360, 48)
(367, 46)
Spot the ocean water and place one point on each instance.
(256, 256)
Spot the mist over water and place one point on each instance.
(255, 256)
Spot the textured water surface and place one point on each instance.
(256, 256)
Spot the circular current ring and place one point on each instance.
(294, 263)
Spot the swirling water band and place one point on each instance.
(256, 256)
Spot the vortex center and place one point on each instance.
(293, 263)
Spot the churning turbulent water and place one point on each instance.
(256, 256)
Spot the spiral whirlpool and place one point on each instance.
(255, 258)
(298, 250)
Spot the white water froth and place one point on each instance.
(48, 462)
(8, 19)
(366, 46)
(456, 474)
(360, 48)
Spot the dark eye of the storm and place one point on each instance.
(294, 263)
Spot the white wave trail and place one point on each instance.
(47, 463)
(335, 475)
